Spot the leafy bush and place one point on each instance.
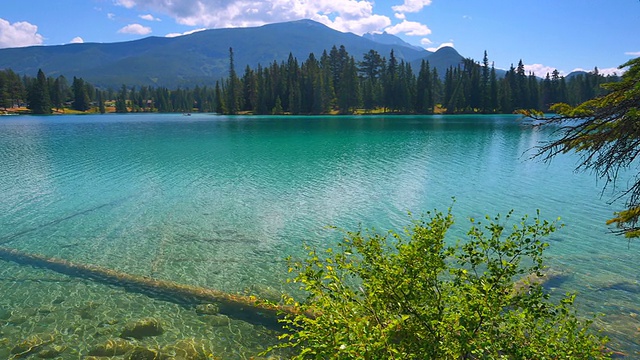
(411, 295)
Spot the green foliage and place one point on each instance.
(606, 131)
(335, 83)
(39, 99)
(411, 295)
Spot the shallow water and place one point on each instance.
(218, 202)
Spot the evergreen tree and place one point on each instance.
(58, 92)
(533, 91)
(261, 102)
(250, 90)
(233, 87)
(5, 100)
(521, 93)
(327, 89)
(424, 90)
(310, 84)
(100, 98)
(391, 84)
(81, 100)
(293, 93)
(121, 100)
(371, 69)
(485, 85)
(348, 91)
(493, 90)
(39, 100)
(277, 109)
(221, 107)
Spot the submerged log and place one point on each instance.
(242, 307)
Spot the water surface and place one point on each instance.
(218, 202)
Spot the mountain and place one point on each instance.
(385, 38)
(576, 73)
(202, 58)
(442, 59)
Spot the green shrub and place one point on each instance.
(411, 295)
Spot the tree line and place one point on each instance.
(333, 83)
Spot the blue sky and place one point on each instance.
(546, 34)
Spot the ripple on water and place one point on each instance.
(219, 202)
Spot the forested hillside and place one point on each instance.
(333, 82)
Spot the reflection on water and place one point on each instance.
(218, 202)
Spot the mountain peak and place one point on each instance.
(447, 50)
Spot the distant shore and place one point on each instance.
(111, 110)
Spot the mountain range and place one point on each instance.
(202, 58)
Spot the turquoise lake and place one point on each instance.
(219, 202)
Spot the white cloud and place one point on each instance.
(111, 16)
(77, 40)
(540, 70)
(410, 28)
(355, 16)
(136, 29)
(365, 25)
(148, 17)
(126, 3)
(434, 49)
(171, 35)
(611, 71)
(400, 16)
(425, 42)
(411, 6)
(19, 34)
(633, 53)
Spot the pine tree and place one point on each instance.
(100, 98)
(121, 100)
(277, 109)
(424, 90)
(390, 84)
(221, 107)
(327, 89)
(233, 87)
(348, 91)
(485, 85)
(39, 100)
(81, 100)
(493, 90)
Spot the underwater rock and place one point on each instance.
(142, 353)
(5, 314)
(630, 287)
(51, 352)
(142, 328)
(107, 323)
(112, 347)
(31, 345)
(548, 278)
(216, 320)
(189, 349)
(207, 309)
(4, 348)
(87, 312)
(17, 319)
(46, 310)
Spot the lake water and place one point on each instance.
(218, 202)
